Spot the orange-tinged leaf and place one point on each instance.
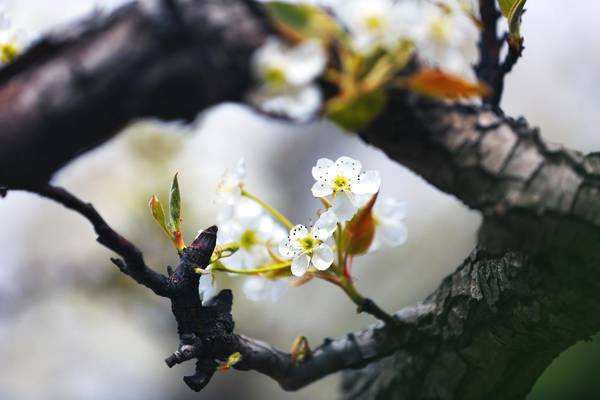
(360, 230)
(440, 84)
(300, 350)
(231, 361)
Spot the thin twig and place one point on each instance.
(133, 261)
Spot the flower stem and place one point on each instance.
(270, 209)
(224, 251)
(218, 266)
(340, 267)
(365, 304)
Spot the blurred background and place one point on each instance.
(72, 327)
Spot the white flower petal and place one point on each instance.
(343, 207)
(298, 232)
(321, 189)
(277, 288)
(206, 288)
(322, 170)
(300, 265)
(306, 61)
(230, 231)
(255, 288)
(288, 248)
(348, 167)
(247, 211)
(322, 257)
(390, 209)
(367, 183)
(393, 234)
(297, 103)
(325, 226)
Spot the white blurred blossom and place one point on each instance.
(390, 228)
(260, 288)
(229, 188)
(207, 287)
(307, 248)
(253, 229)
(286, 74)
(446, 36)
(346, 182)
(376, 24)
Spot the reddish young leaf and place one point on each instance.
(360, 230)
(440, 84)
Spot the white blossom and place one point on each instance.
(307, 248)
(229, 188)
(260, 288)
(446, 37)
(346, 182)
(286, 74)
(390, 229)
(254, 230)
(207, 287)
(376, 24)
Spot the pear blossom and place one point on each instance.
(346, 182)
(229, 188)
(390, 229)
(446, 37)
(207, 287)
(286, 74)
(260, 289)
(377, 23)
(307, 248)
(254, 230)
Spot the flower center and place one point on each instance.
(275, 76)
(8, 52)
(341, 184)
(248, 239)
(440, 30)
(307, 243)
(374, 23)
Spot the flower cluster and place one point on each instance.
(368, 42)
(257, 241)
(286, 74)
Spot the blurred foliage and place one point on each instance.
(573, 375)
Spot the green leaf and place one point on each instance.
(296, 16)
(355, 113)
(513, 10)
(158, 213)
(175, 205)
(301, 21)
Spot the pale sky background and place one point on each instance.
(71, 328)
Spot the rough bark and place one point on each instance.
(77, 87)
(525, 294)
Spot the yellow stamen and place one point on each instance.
(248, 239)
(341, 184)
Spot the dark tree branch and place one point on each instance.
(77, 87)
(490, 69)
(490, 44)
(206, 332)
(133, 261)
(490, 328)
